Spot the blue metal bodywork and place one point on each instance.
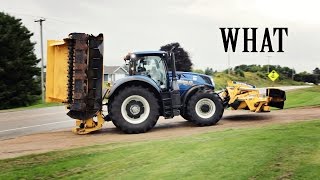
(134, 79)
(187, 80)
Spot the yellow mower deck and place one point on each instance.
(247, 97)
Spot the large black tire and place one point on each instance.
(134, 110)
(186, 117)
(209, 109)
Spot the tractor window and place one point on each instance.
(153, 67)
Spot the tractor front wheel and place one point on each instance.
(134, 110)
(186, 117)
(205, 108)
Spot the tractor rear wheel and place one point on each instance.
(134, 110)
(205, 108)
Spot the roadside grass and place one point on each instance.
(287, 151)
(303, 97)
(259, 80)
(37, 104)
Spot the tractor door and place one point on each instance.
(154, 68)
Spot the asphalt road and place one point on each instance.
(24, 122)
(18, 123)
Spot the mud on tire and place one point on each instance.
(205, 108)
(134, 110)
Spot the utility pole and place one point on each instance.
(229, 62)
(268, 63)
(42, 64)
(292, 74)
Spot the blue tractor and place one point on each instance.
(136, 101)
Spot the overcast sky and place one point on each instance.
(135, 25)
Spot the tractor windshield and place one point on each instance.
(153, 67)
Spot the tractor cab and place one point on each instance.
(151, 64)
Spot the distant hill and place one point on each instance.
(255, 78)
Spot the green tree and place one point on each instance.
(183, 61)
(200, 71)
(316, 71)
(19, 84)
(209, 71)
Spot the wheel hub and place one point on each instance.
(134, 109)
(205, 108)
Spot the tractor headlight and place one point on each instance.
(132, 56)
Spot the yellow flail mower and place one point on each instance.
(242, 96)
(135, 103)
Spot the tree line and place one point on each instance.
(262, 71)
(313, 77)
(19, 74)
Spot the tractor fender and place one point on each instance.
(186, 96)
(134, 80)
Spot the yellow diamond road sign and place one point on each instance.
(273, 75)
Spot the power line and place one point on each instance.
(48, 18)
(23, 14)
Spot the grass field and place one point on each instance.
(221, 79)
(290, 151)
(303, 97)
(37, 104)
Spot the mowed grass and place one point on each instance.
(288, 151)
(303, 97)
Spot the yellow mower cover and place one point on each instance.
(57, 71)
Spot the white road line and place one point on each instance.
(33, 126)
